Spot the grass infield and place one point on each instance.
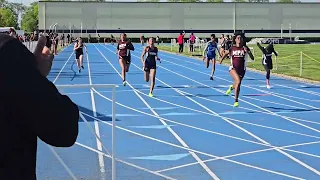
(288, 60)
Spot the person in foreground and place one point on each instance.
(150, 64)
(30, 107)
(267, 60)
(238, 55)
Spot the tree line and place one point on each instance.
(9, 12)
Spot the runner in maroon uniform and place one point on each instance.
(238, 54)
(123, 50)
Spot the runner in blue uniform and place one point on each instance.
(209, 53)
(149, 63)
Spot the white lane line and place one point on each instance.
(206, 168)
(96, 124)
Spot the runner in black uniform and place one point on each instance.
(78, 48)
(267, 60)
(150, 64)
(226, 45)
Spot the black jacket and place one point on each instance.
(30, 107)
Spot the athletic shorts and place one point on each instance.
(240, 71)
(78, 54)
(149, 65)
(127, 59)
(211, 57)
(267, 65)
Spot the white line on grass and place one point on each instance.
(305, 91)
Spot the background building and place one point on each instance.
(168, 19)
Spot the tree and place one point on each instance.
(2, 3)
(258, 1)
(184, 1)
(7, 18)
(215, 1)
(239, 1)
(149, 1)
(30, 18)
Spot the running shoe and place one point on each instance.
(228, 92)
(236, 104)
(150, 95)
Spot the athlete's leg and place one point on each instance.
(78, 62)
(153, 80)
(123, 72)
(207, 62)
(127, 65)
(128, 62)
(147, 75)
(213, 68)
(236, 84)
(81, 61)
(267, 75)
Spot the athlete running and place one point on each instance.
(149, 63)
(209, 54)
(142, 40)
(123, 51)
(267, 60)
(238, 54)
(78, 48)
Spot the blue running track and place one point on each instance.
(189, 130)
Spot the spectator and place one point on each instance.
(12, 33)
(191, 40)
(181, 41)
(30, 107)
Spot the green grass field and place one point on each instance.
(288, 61)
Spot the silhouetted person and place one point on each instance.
(30, 107)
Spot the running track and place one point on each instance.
(190, 129)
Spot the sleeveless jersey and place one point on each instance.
(151, 54)
(267, 58)
(124, 48)
(80, 49)
(211, 49)
(238, 58)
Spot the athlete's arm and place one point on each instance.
(143, 54)
(249, 52)
(118, 49)
(130, 46)
(261, 48)
(157, 57)
(224, 56)
(275, 53)
(45, 112)
(75, 47)
(205, 50)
